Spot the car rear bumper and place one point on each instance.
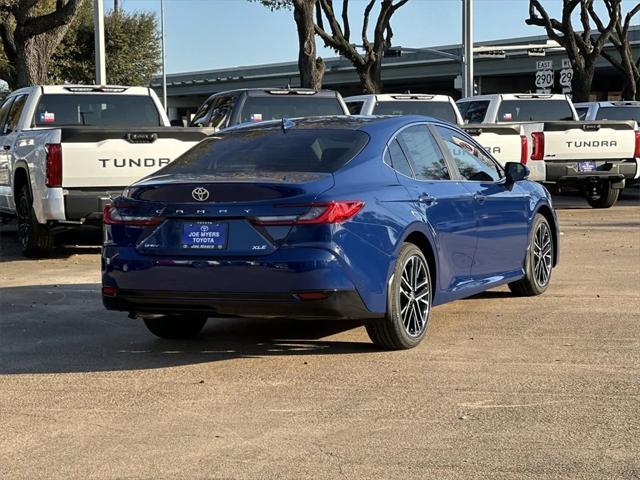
(269, 285)
(86, 204)
(568, 173)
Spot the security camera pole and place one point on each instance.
(98, 25)
(467, 48)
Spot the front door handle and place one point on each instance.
(426, 199)
(479, 198)
(7, 147)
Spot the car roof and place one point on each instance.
(610, 103)
(393, 97)
(278, 91)
(516, 96)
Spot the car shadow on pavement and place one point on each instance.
(629, 197)
(64, 329)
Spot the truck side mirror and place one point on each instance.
(515, 171)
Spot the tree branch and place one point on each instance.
(365, 26)
(61, 16)
(345, 19)
(8, 41)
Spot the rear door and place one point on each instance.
(501, 211)
(439, 201)
(8, 136)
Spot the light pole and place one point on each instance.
(98, 26)
(164, 74)
(467, 48)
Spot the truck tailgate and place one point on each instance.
(118, 157)
(577, 141)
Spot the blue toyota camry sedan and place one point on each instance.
(373, 218)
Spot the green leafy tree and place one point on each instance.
(132, 46)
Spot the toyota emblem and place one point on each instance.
(200, 194)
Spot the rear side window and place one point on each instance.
(275, 107)
(534, 110)
(582, 112)
(473, 112)
(355, 107)
(397, 160)
(114, 110)
(4, 113)
(618, 113)
(260, 152)
(423, 151)
(472, 163)
(14, 114)
(440, 110)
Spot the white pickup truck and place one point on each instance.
(619, 110)
(65, 150)
(596, 158)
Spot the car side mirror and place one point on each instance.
(515, 171)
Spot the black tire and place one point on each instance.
(174, 327)
(533, 284)
(35, 239)
(607, 198)
(407, 318)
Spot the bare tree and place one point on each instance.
(583, 48)
(29, 37)
(367, 64)
(310, 66)
(624, 62)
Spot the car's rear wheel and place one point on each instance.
(35, 239)
(539, 262)
(175, 326)
(409, 304)
(606, 197)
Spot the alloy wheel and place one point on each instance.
(24, 223)
(415, 295)
(542, 254)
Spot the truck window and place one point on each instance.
(14, 114)
(618, 113)
(534, 110)
(4, 112)
(200, 117)
(105, 110)
(582, 112)
(355, 107)
(222, 108)
(473, 112)
(275, 107)
(440, 110)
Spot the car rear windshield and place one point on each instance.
(275, 107)
(256, 152)
(618, 113)
(105, 110)
(473, 112)
(534, 110)
(440, 110)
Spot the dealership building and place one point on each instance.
(509, 67)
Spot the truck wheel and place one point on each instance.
(539, 261)
(409, 304)
(35, 239)
(175, 326)
(607, 198)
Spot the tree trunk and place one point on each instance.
(582, 80)
(311, 67)
(369, 74)
(34, 54)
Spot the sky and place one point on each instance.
(210, 34)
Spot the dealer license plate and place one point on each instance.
(204, 236)
(586, 166)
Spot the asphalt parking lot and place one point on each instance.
(501, 388)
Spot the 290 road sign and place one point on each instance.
(544, 78)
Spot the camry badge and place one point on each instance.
(200, 194)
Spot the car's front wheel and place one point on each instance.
(539, 262)
(175, 326)
(409, 304)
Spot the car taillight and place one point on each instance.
(54, 164)
(524, 149)
(318, 213)
(538, 146)
(637, 152)
(112, 215)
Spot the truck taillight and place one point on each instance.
(54, 164)
(538, 146)
(637, 153)
(524, 149)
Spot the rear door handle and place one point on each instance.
(426, 199)
(479, 198)
(7, 147)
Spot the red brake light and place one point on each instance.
(637, 152)
(324, 212)
(538, 146)
(524, 149)
(54, 164)
(109, 291)
(112, 216)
